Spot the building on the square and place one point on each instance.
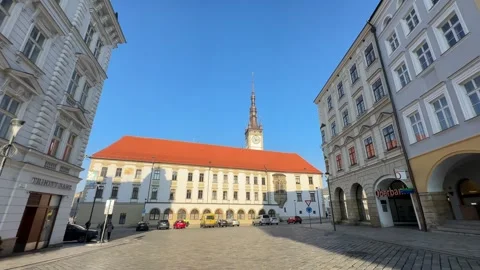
(360, 141)
(53, 60)
(431, 53)
(182, 180)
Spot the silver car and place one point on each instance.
(273, 221)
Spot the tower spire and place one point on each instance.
(253, 121)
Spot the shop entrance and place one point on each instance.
(37, 222)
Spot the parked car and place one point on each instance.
(142, 226)
(294, 220)
(208, 221)
(163, 224)
(76, 232)
(233, 222)
(222, 223)
(261, 220)
(179, 224)
(274, 221)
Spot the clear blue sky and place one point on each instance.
(185, 71)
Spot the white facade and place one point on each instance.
(52, 74)
(262, 194)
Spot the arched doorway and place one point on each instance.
(469, 193)
(261, 212)
(154, 214)
(241, 214)
(342, 200)
(361, 202)
(395, 203)
(207, 211)
(251, 214)
(219, 214)
(229, 214)
(181, 214)
(168, 214)
(271, 213)
(194, 214)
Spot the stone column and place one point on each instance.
(373, 211)
(336, 211)
(436, 208)
(352, 211)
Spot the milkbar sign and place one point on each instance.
(52, 184)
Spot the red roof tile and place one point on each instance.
(186, 153)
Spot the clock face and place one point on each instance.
(256, 139)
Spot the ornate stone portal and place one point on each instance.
(280, 187)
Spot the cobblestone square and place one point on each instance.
(269, 247)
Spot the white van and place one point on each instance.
(261, 220)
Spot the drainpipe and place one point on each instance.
(400, 135)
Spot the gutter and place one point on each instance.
(400, 135)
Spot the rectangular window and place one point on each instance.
(89, 35)
(190, 176)
(99, 192)
(346, 121)
(411, 20)
(248, 196)
(57, 138)
(200, 194)
(472, 89)
(172, 195)
(329, 103)
(369, 147)
(403, 75)
(263, 181)
(299, 197)
(310, 180)
(256, 196)
(123, 218)
(5, 10)
(340, 91)
(73, 85)
(225, 178)
(200, 179)
(235, 195)
(442, 111)
(114, 192)
(417, 126)
(138, 173)
(334, 128)
(225, 195)
(214, 195)
(360, 105)
(174, 176)
(156, 174)
(135, 193)
(353, 73)
(390, 139)
(154, 194)
(247, 180)
(297, 180)
(339, 162)
(84, 96)
(118, 172)
(323, 135)
(369, 55)
(189, 194)
(352, 156)
(98, 48)
(69, 147)
(424, 55)
(393, 41)
(453, 30)
(235, 179)
(8, 111)
(312, 197)
(215, 178)
(264, 196)
(378, 91)
(103, 173)
(34, 45)
(255, 180)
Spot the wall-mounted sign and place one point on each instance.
(48, 183)
(394, 192)
(400, 174)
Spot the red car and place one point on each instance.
(179, 224)
(295, 219)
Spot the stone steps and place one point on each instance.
(463, 227)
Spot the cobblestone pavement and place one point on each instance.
(269, 247)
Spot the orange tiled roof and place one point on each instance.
(186, 153)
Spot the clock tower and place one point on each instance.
(254, 131)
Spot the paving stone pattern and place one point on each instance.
(270, 247)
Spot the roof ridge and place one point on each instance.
(216, 145)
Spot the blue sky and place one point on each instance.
(185, 71)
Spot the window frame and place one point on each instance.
(439, 22)
(368, 59)
(405, 21)
(188, 194)
(338, 162)
(354, 71)
(369, 150)
(389, 41)
(6, 113)
(458, 82)
(374, 90)
(114, 189)
(357, 104)
(329, 103)
(417, 64)
(340, 90)
(34, 41)
(56, 140)
(135, 191)
(352, 156)
(396, 78)
(442, 90)
(415, 108)
(390, 144)
(345, 118)
(69, 147)
(333, 129)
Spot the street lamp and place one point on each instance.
(16, 125)
(327, 175)
(89, 222)
(318, 202)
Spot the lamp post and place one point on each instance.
(89, 222)
(318, 202)
(16, 125)
(295, 205)
(330, 199)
